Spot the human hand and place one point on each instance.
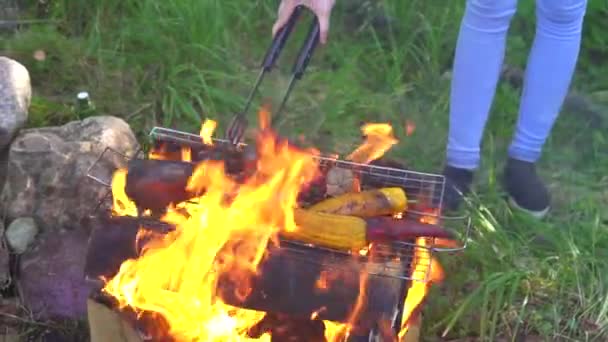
(321, 8)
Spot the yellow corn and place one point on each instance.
(377, 202)
(329, 230)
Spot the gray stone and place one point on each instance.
(4, 260)
(47, 170)
(584, 107)
(51, 276)
(15, 99)
(3, 167)
(21, 233)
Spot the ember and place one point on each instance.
(238, 235)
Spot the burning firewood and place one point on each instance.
(348, 207)
(155, 184)
(108, 325)
(313, 192)
(285, 328)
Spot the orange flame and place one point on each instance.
(378, 139)
(186, 153)
(225, 231)
(184, 292)
(122, 205)
(425, 265)
(207, 130)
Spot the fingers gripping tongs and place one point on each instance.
(236, 129)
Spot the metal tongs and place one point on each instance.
(236, 129)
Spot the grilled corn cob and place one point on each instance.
(329, 230)
(370, 203)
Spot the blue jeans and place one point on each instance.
(479, 56)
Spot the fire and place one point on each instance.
(186, 153)
(122, 205)
(378, 139)
(226, 230)
(184, 292)
(207, 130)
(419, 289)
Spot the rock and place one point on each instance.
(3, 167)
(21, 233)
(4, 260)
(47, 170)
(51, 276)
(12, 317)
(339, 181)
(583, 106)
(15, 98)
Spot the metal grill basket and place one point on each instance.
(418, 185)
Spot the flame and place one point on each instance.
(226, 230)
(427, 271)
(207, 130)
(378, 139)
(184, 292)
(159, 154)
(121, 204)
(186, 153)
(424, 264)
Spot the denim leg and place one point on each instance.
(479, 56)
(549, 71)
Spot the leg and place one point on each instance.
(551, 64)
(479, 55)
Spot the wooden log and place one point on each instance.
(154, 184)
(107, 325)
(413, 332)
(289, 280)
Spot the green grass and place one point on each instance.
(174, 63)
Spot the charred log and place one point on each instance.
(285, 328)
(155, 184)
(293, 279)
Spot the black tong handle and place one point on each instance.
(238, 125)
(280, 39)
(307, 49)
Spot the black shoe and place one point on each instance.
(526, 190)
(457, 184)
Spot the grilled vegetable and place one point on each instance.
(354, 233)
(329, 230)
(370, 203)
(390, 229)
